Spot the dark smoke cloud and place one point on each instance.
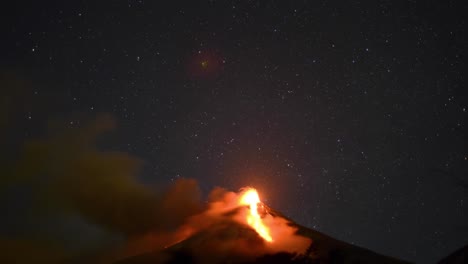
(29, 251)
(64, 175)
(72, 175)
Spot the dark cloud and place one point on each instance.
(29, 251)
(65, 173)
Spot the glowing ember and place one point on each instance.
(250, 198)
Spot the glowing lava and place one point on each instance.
(250, 198)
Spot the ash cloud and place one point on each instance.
(70, 174)
(64, 175)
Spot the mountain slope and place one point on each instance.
(233, 242)
(460, 256)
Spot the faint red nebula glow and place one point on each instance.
(204, 65)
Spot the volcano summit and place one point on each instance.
(239, 228)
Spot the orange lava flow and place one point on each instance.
(250, 197)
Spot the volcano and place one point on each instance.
(252, 232)
(223, 244)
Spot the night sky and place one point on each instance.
(350, 118)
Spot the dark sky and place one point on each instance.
(350, 118)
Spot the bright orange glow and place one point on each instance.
(250, 197)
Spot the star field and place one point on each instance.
(350, 118)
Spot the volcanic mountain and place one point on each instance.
(251, 232)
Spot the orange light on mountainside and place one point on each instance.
(244, 208)
(250, 197)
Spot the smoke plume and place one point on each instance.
(65, 173)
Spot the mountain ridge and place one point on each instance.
(224, 242)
